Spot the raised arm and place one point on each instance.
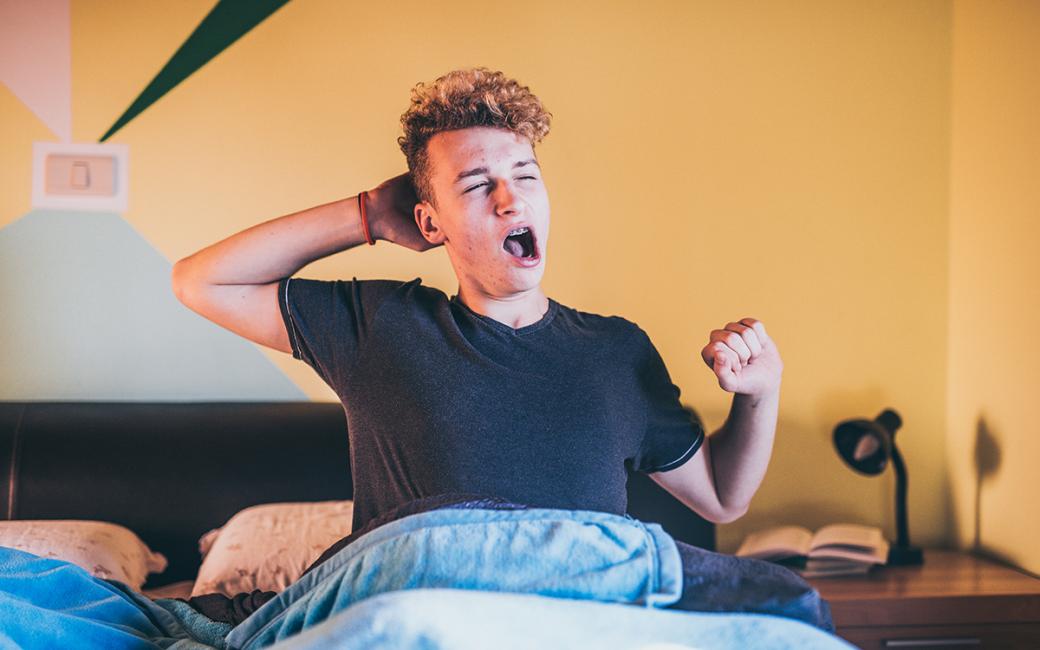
(234, 282)
(720, 480)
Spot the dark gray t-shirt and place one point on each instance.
(441, 399)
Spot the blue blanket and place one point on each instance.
(47, 603)
(561, 556)
(568, 554)
(445, 619)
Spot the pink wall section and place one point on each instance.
(35, 59)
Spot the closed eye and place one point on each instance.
(520, 178)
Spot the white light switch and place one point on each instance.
(80, 176)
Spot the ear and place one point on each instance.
(429, 223)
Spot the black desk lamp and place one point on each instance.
(866, 447)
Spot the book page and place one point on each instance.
(777, 542)
(850, 541)
(848, 535)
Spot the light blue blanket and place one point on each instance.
(563, 553)
(562, 557)
(445, 619)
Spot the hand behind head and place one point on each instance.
(391, 213)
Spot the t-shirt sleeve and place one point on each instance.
(328, 321)
(674, 432)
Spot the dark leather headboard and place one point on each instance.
(172, 471)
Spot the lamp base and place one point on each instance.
(905, 556)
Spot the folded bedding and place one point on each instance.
(558, 553)
(557, 557)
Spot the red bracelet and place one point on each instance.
(364, 218)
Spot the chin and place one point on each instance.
(528, 283)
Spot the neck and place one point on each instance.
(517, 310)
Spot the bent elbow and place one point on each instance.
(180, 281)
(729, 515)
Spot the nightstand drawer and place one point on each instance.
(966, 637)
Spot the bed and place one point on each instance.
(171, 472)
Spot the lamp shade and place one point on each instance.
(866, 445)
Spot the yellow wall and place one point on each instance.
(709, 161)
(994, 371)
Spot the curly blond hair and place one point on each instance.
(461, 99)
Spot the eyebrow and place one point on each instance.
(477, 171)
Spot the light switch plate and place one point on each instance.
(80, 176)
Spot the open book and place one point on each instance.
(837, 549)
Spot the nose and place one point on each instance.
(507, 200)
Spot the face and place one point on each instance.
(487, 184)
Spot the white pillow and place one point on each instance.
(268, 547)
(103, 549)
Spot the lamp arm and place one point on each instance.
(902, 532)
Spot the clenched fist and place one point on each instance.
(744, 358)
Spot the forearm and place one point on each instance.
(277, 248)
(741, 448)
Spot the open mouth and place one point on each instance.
(520, 243)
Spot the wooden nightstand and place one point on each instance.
(955, 600)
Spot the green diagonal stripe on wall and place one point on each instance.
(226, 23)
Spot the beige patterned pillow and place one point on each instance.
(103, 549)
(268, 547)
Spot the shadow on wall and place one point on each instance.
(987, 462)
(988, 457)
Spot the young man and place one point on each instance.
(498, 390)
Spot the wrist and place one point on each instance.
(375, 203)
(364, 218)
(765, 396)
